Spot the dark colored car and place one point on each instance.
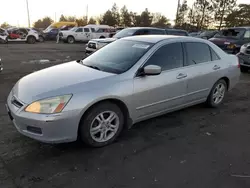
(95, 44)
(177, 32)
(230, 40)
(244, 57)
(52, 33)
(207, 34)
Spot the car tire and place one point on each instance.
(41, 39)
(244, 69)
(70, 40)
(31, 40)
(95, 132)
(217, 94)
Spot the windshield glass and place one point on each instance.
(232, 33)
(206, 33)
(74, 29)
(117, 57)
(125, 33)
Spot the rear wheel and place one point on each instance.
(101, 125)
(217, 93)
(70, 40)
(243, 69)
(31, 40)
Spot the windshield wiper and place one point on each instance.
(91, 66)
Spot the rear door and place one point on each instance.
(203, 67)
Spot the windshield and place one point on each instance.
(74, 29)
(117, 57)
(125, 33)
(206, 33)
(232, 33)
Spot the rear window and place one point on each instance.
(233, 33)
(125, 33)
(157, 32)
(197, 52)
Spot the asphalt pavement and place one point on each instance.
(197, 147)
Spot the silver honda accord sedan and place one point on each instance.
(127, 81)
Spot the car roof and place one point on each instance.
(137, 28)
(157, 38)
(169, 29)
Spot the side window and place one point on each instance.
(157, 32)
(86, 29)
(79, 30)
(142, 32)
(92, 29)
(197, 52)
(247, 35)
(214, 55)
(167, 57)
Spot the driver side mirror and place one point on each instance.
(150, 70)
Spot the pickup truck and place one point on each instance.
(83, 34)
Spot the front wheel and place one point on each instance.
(217, 93)
(101, 125)
(31, 40)
(41, 39)
(70, 40)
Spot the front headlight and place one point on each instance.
(49, 105)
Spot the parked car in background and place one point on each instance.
(95, 44)
(52, 33)
(1, 65)
(177, 32)
(193, 34)
(207, 34)
(244, 57)
(231, 40)
(114, 31)
(41, 34)
(86, 33)
(128, 81)
(3, 35)
(22, 35)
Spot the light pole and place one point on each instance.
(28, 12)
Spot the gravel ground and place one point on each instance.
(194, 147)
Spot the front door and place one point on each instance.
(79, 34)
(156, 94)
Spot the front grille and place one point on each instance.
(15, 102)
(92, 45)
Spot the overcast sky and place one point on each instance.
(17, 13)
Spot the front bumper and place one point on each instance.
(54, 128)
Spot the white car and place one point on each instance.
(84, 34)
(22, 35)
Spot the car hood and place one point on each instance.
(221, 41)
(106, 40)
(57, 80)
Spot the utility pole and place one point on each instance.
(87, 9)
(28, 12)
(55, 17)
(177, 12)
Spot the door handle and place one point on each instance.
(181, 75)
(216, 67)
